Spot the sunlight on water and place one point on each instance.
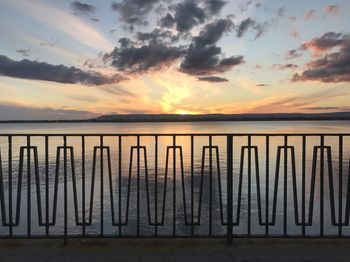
(180, 127)
(121, 160)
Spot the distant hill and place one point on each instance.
(222, 117)
(198, 118)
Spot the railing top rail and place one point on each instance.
(166, 134)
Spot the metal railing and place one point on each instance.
(174, 185)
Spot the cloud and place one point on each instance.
(167, 21)
(213, 32)
(206, 61)
(116, 90)
(291, 54)
(294, 34)
(309, 14)
(132, 59)
(47, 44)
(328, 108)
(27, 69)
(203, 56)
(153, 51)
(285, 66)
(23, 52)
(65, 22)
(213, 79)
(84, 10)
(282, 11)
(214, 6)
(134, 12)
(326, 42)
(245, 25)
(262, 85)
(187, 15)
(332, 67)
(157, 36)
(332, 9)
(12, 111)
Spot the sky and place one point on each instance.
(81, 59)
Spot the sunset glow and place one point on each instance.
(77, 60)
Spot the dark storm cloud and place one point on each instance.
(204, 57)
(134, 12)
(212, 79)
(133, 59)
(35, 70)
(332, 67)
(23, 52)
(245, 25)
(84, 10)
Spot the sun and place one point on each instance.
(184, 112)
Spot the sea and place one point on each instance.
(149, 182)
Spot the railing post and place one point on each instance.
(229, 188)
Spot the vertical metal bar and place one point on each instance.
(156, 185)
(210, 186)
(267, 145)
(29, 215)
(322, 187)
(83, 181)
(174, 186)
(249, 184)
(285, 188)
(120, 184)
(138, 187)
(10, 183)
(47, 204)
(101, 184)
(303, 174)
(65, 189)
(229, 145)
(192, 182)
(340, 208)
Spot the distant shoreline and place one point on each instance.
(139, 118)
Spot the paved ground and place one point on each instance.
(175, 250)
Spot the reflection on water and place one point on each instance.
(120, 185)
(181, 127)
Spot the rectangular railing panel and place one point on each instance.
(174, 185)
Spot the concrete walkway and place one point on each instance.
(191, 250)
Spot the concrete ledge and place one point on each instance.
(175, 250)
